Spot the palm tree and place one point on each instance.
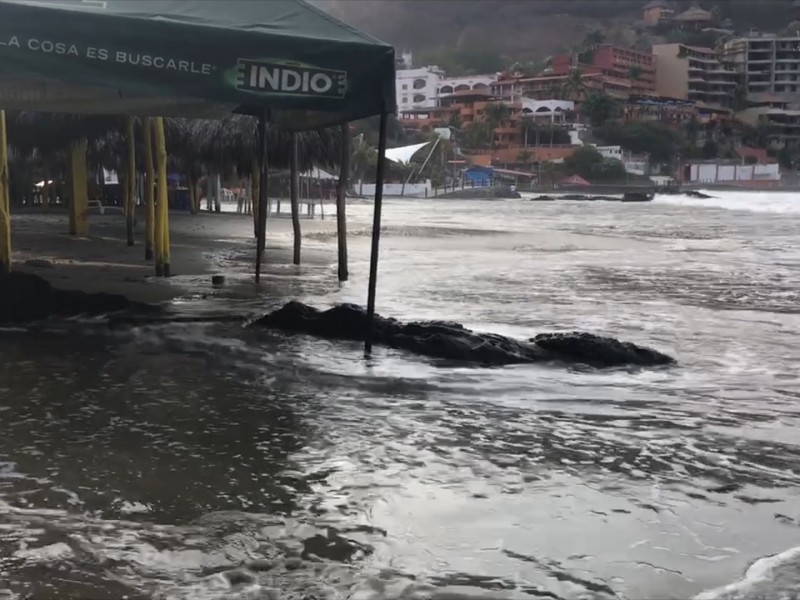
(593, 39)
(529, 122)
(454, 120)
(524, 156)
(362, 159)
(496, 113)
(574, 87)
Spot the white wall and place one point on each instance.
(472, 82)
(610, 151)
(545, 106)
(412, 190)
(713, 173)
(425, 95)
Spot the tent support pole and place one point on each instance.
(79, 202)
(263, 207)
(149, 193)
(5, 204)
(341, 203)
(294, 189)
(254, 194)
(130, 180)
(376, 235)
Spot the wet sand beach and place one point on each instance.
(203, 245)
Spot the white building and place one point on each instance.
(770, 64)
(633, 164)
(554, 111)
(731, 174)
(450, 85)
(610, 151)
(418, 88)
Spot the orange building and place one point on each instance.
(545, 87)
(624, 72)
(510, 156)
(425, 119)
(472, 107)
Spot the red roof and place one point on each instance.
(574, 180)
(761, 155)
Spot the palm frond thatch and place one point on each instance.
(195, 146)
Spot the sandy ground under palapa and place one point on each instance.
(202, 245)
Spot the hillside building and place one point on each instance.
(418, 88)
(450, 85)
(699, 75)
(624, 72)
(694, 19)
(655, 12)
(770, 64)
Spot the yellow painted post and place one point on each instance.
(79, 201)
(130, 180)
(5, 205)
(149, 192)
(163, 198)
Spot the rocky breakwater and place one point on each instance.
(452, 341)
(25, 297)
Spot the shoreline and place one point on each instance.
(202, 245)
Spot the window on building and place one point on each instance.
(419, 98)
(405, 100)
(419, 84)
(405, 86)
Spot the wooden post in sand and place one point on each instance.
(162, 207)
(149, 191)
(341, 203)
(294, 199)
(130, 179)
(79, 200)
(5, 204)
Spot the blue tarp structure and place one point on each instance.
(478, 176)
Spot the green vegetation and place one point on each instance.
(587, 162)
(574, 87)
(478, 136)
(471, 61)
(600, 108)
(660, 141)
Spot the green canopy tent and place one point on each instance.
(283, 61)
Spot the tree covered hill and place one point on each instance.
(489, 33)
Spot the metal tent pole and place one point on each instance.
(376, 235)
(261, 243)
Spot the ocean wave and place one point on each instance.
(773, 577)
(766, 202)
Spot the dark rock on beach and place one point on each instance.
(625, 197)
(452, 341)
(26, 297)
(498, 192)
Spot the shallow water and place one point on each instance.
(162, 461)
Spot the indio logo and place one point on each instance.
(294, 80)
